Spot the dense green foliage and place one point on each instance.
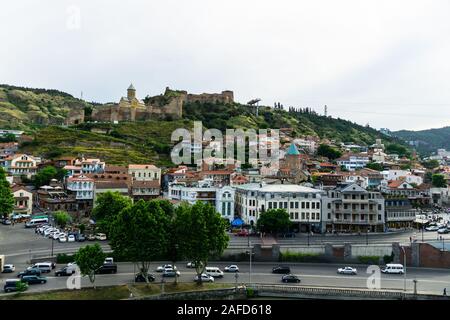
(328, 151)
(89, 259)
(9, 137)
(438, 181)
(44, 176)
(203, 232)
(6, 196)
(139, 233)
(428, 140)
(274, 221)
(375, 166)
(108, 205)
(62, 218)
(430, 164)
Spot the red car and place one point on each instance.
(242, 233)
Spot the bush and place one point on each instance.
(250, 292)
(298, 257)
(64, 258)
(369, 259)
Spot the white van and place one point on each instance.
(214, 272)
(45, 267)
(34, 222)
(393, 268)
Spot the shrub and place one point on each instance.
(388, 258)
(369, 259)
(250, 292)
(298, 257)
(64, 258)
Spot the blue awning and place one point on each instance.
(237, 222)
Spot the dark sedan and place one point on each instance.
(281, 270)
(290, 278)
(140, 278)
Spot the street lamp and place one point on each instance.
(404, 268)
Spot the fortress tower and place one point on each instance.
(131, 93)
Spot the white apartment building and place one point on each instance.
(23, 200)
(406, 175)
(21, 164)
(222, 198)
(353, 162)
(90, 165)
(351, 208)
(303, 204)
(82, 186)
(144, 172)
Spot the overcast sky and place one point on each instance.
(386, 63)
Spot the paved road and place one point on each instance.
(429, 280)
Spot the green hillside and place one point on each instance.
(26, 108)
(41, 111)
(427, 141)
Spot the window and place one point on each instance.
(329, 216)
(291, 205)
(353, 196)
(379, 207)
(285, 205)
(270, 205)
(318, 205)
(303, 216)
(329, 206)
(313, 205)
(291, 215)
(275, 205)
(296, 216)
(296, 204)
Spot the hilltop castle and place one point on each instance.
(166, 106)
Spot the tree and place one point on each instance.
(9, 137)
(6, 196)
(139, 234)
(375, 166)
(431, 164)
(274, 221)
(397, 149)
(89, 259)
(44, 176)
(62, 218)
(21, 286)
(108, 205)
(438, 181)
(328, 151)
(203, 232)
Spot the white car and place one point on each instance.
(347, 270)
(56, 235)
(190, 264)
(48, 231)
(204, 278)
(165, 267)
(232, 268)
(432, 228)
(100, 236)
(62, 238)
(8, 268)
(71, 238)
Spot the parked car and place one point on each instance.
(242, 233)
(165, 267)
(109, 260)
(6, 222)
(34, 279)
(29, 272)
(71, 238)
(231, 268)
(190, 264)
(281, 270)
(443, 231)
(56, 235)
(432, 228)
(43, 266)
(140, 278)
(91, 237)
(347, 270)
(170, 273)
(62, 238)
(290, 278)
(80, 237)
(66, 271)
(204, 278)
(100, 236)
(11, 285)
(9, 268)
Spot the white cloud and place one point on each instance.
(369, 61)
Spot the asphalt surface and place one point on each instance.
(19, 244)
(323, 275)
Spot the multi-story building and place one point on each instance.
(23, 200)
(83, 189)
(21, 165)
(145, 190)
(303, 204)
(399, 212)
(351, 208)
(90, 165)
(352, 162)
(222, 198)
(144, 172)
